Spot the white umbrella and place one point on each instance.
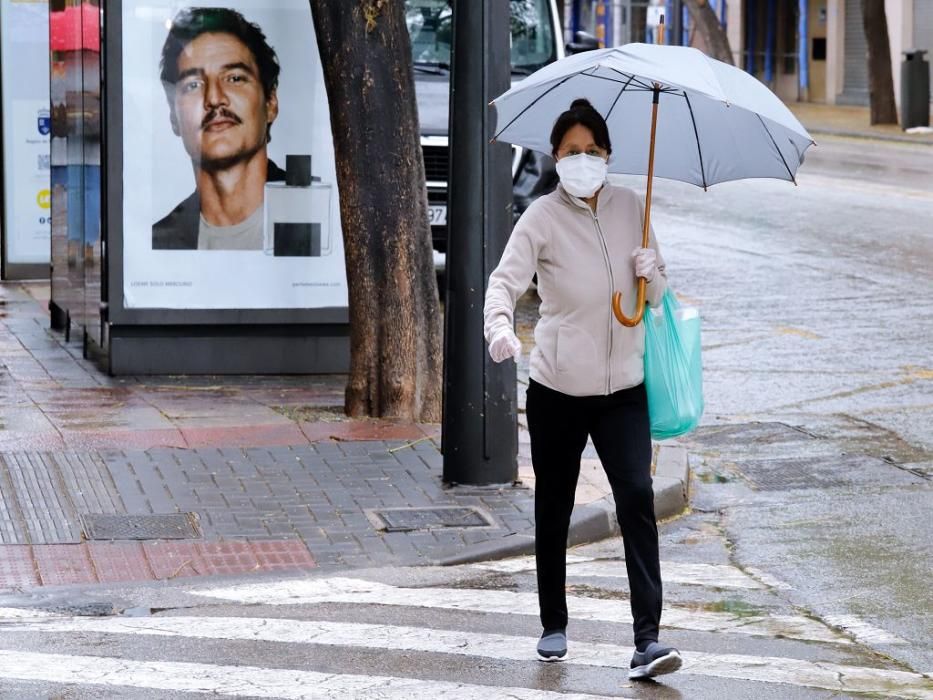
(708, 122)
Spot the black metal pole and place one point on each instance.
(480, 433)
(677, 23)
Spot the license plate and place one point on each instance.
(437, 214)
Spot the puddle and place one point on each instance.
(714, 478)
(491, 581)
(312, 414)
(137, 612)
(81, 609)
(585, 591)
(738, 608)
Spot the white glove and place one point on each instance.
(504, 344)
(646, 263)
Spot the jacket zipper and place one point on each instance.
(612, 286)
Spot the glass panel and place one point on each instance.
(24, 40)
(66, 84)
(91, 253)
(229, 176)
(430, 27)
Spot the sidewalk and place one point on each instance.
(851, 121)
(117, 479)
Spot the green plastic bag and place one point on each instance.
(673, 368)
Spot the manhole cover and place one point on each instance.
(820, 472)
(174, 526)
(407, 519)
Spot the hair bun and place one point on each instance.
(581, 103)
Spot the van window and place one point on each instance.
(533, 35)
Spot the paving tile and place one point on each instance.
(274, 434)
(231, 557)
(60, 564)
(17, 566)
(169, 560)
(137, 439)
(47, 513)
(282, 554)
(18, 441)
(227, 452)
(120, 561)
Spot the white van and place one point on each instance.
(537, 40)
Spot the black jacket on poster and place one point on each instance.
(179, 230)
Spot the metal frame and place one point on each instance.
(165, 336)
(12, 271)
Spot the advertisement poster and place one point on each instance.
(230, 193)
(27, 221)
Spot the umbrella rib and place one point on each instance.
(618, 97)
(639, 83)
(771, 136)
(534, 102)
(604, 77)
(696, 133)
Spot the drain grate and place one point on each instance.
(408, 519)
(173, 526)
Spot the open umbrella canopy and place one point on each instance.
(715, 122)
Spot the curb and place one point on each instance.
(595, 521)
(816, 130)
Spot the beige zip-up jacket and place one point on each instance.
(581, 258)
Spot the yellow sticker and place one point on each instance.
(44, 199)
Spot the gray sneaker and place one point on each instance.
(654, 661)
(553, 646)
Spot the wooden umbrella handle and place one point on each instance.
(640, 299)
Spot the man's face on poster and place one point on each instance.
(220, 109)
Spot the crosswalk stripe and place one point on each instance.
(358, 591)
(24, 614)
(864, 632)
(247, 680)
(765, 669)
(768, 580)
(719, 576)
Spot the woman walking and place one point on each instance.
(587, 374)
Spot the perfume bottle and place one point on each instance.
(296, 213)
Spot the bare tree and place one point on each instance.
(710, 28)
(395, 323)
(880, 77)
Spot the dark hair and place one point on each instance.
(583, 113)
(192, 22)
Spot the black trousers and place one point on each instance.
(618, 423)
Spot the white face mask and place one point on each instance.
(582, 175)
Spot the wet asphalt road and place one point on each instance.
(806, 560)
(817, 303)
(467, 631)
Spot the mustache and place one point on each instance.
(220, 112)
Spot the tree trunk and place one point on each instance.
(710, 28)
(395, 324)
(880, 77)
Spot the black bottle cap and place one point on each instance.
(298, 171)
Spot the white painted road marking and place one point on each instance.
(25, 614)
(360, 592)
(768, 579)
(864, 632)
(247, 680)
(718, 576)
(764, 669)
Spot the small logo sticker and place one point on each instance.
(44, 122)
